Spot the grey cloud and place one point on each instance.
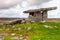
(36, 2)
(9, 3)
(17, 10)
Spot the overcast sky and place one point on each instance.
(15, 8)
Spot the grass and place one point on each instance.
(37, 31)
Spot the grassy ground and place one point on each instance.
(33, 31)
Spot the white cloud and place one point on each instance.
(54, 13)
(36, 2)
(17, 10)
(9, 3)
(14, 12)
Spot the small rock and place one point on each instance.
(19, 29)
(46, 26)
(32, 21)
(25, 39)
(43, 21)
(0, 38)
(13, 34)
(14, 37)
(23, 21)
(50, 27)
(13, 26)
(21, 37)
(29, 28)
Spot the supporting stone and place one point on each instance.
(39, 14)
